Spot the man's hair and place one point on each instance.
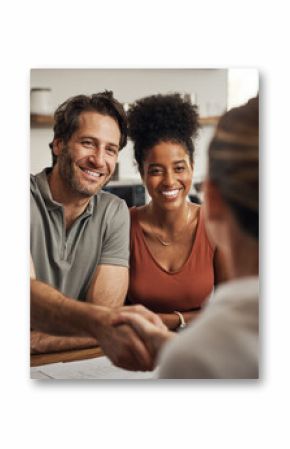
(234, 163)
(162, 118)
(66, 117)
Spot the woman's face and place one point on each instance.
(167, 174)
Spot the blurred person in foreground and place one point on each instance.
(223, 341)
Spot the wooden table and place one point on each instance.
(65, 356)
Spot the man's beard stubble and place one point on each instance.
(67, 173)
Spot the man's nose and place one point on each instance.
(98, 157)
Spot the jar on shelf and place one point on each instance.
(40, 100)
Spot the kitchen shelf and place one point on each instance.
(209, 121)
(41, 121)
(46, 121)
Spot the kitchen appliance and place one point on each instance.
(133, 194)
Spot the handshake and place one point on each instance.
(132, 336)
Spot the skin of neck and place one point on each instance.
(170, 220)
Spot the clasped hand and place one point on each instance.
(137, 335)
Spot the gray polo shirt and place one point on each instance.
(68, 260)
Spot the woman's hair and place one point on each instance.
(234, 163)
(66, 117)
(161, 118)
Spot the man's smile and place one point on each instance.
(92, 173)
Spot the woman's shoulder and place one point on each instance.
(195, 212)
(135, 211)
(135, 214)
(202, 225)
(139, 219)
(138, 213)
(136, 232)
(196, 207)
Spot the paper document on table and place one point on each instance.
(98, 368)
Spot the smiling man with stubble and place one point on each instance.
(80, 236)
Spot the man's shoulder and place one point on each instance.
(109, 206)
(34, 188)
(106, 198)
(36, 179)
(32, 181)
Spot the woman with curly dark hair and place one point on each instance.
(223, 343)
(173, 264)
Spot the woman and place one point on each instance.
(173, 264)
(223, 341)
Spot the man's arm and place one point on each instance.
(109, 286)
(52, 312)
(42, 343)
(109, 283)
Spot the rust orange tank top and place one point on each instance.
(163, 291)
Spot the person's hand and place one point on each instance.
(146, 313)
(120, 342)
(125, 349)
(153, 335)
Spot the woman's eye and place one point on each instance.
(180, 169)
(155, 171)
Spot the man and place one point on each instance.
(79, 235)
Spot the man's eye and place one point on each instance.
(111, 150)
(87, 143)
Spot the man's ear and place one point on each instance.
(214, 204)
(57, 147)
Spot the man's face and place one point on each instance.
(87, 162)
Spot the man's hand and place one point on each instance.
(121, 343)
(125, 349)
(151, 333)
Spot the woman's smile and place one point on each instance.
(168, 173)
(170, 195)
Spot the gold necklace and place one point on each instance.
(163, 242)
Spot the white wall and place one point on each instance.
(210, 87)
